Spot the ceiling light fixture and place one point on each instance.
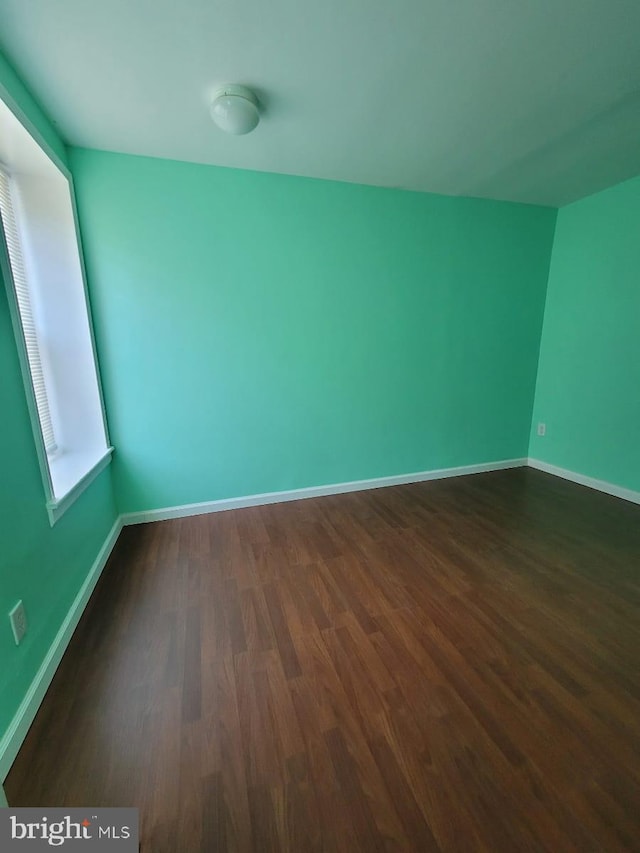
(235, 109)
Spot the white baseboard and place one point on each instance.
(591, 482)
(313, 492)
(19, 726)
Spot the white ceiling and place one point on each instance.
(526, 100)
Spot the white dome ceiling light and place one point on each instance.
(235, 109)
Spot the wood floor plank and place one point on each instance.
(446, 666)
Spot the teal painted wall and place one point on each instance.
(42, 565)
(588, 389)
(259, 332)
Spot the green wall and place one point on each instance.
(259, 332)
(588, 389)
(42, 565)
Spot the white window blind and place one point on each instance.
(23, 299)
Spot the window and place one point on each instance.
(41, 265)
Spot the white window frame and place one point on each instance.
(83, 475)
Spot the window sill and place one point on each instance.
(72, 473)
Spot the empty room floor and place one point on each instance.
(449, 665)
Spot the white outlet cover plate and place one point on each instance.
(18, 620)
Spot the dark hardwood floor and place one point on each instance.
(443, 666)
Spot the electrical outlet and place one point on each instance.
(542, 429)
(18, 620)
